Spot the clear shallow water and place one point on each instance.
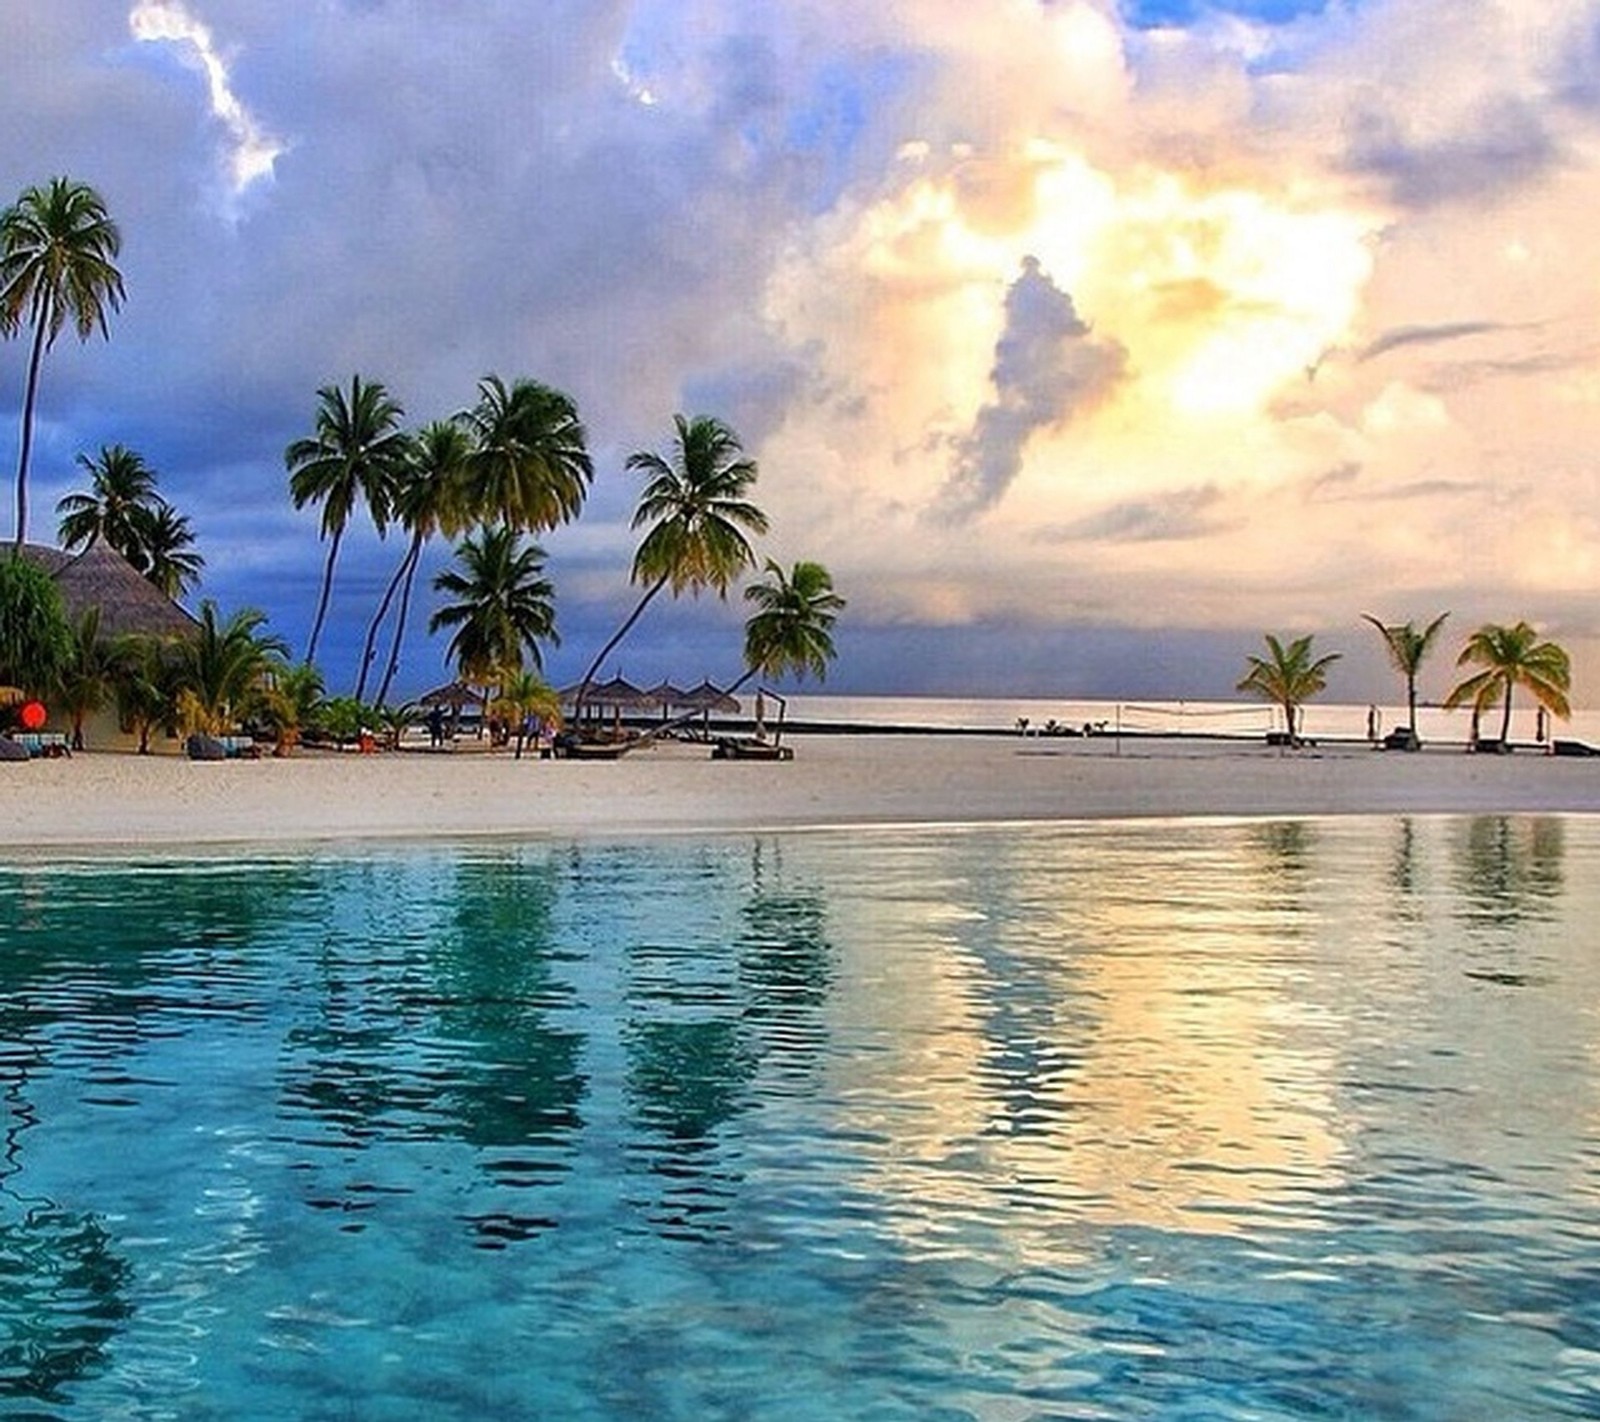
(1162, 1120)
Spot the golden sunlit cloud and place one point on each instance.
(252, 150)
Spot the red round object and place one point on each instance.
(33, 715)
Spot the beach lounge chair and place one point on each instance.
(748, 748)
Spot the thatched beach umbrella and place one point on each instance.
(709, 698)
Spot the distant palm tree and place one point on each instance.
(167, 546)
(89, 678)
(289, 702)
(1512, 657)
(144, 685)
(122, 489)
(791, 630)
(524, 694)
(696, 507)
(504, 605)
(355, 456)
(789, 633)
(529, 468)
(58, 249)
(1288, 676)
(429, 497)
(1408, 648)
(221, 669)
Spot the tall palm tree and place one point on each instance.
(122, 490)
(530, 467)
(695, 504)
(1408, 649)
(167, 544)
(429, 497)
(1512, 657)
(58, 249)
(1289, 676)
(504, 605)
(354, 456)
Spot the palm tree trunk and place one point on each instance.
(29, 397)
(400, 623)
(1411, 705)
(377, 620)
(605, 651)
(1505, 720)
(322, 602)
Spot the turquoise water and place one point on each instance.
(1170, 1120)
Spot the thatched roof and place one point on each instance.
(101, 577)
(708, 697)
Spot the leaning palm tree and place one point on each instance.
(122, 490)
(1288, 676)
(695, 504)
(58, 249)
(503, 605)
(167, 544)
(529, 468)
(1512, 657)
(354, 456)
(428, 497)
(1408, 648)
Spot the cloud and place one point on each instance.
(1048, 367)
(1178, 515)
(252, 151)
(1423, 336)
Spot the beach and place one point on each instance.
(104, 800)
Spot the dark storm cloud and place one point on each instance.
(1048, 365)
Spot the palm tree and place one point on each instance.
(1408, 648)
(1512, 657)
(1288, 676)
(529, 468)
(791, 630)
(58, 248)
(356, 454)
(524, 694)
(122, 491)
(88, 679)
(428, 497)
(145, 671)
(289, 702)
(504, 605)
(222, 668)
(696, 507)
(789, 633)
(166, 542)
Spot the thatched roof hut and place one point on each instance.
(101, 577)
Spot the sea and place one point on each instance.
(1242, 1120)
(1333, 721)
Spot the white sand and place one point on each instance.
(116, 800)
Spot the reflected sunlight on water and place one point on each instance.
(1221, 1119)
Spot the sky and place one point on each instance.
(1083, 341)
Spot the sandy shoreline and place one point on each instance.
(111, 801)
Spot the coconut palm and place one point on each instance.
(1289, 676)
(144, 685)
(694, 502)
(524, 694)
(88, 680)
(791, 630)
(167, 545)
(1408, 649)
(121, 493)
(428, 497)
(36, 639)
(222, 668)
(1512, 657)
(503, 606)
(355, 455)
(289, 702)
(58, 249)
(529, 468)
